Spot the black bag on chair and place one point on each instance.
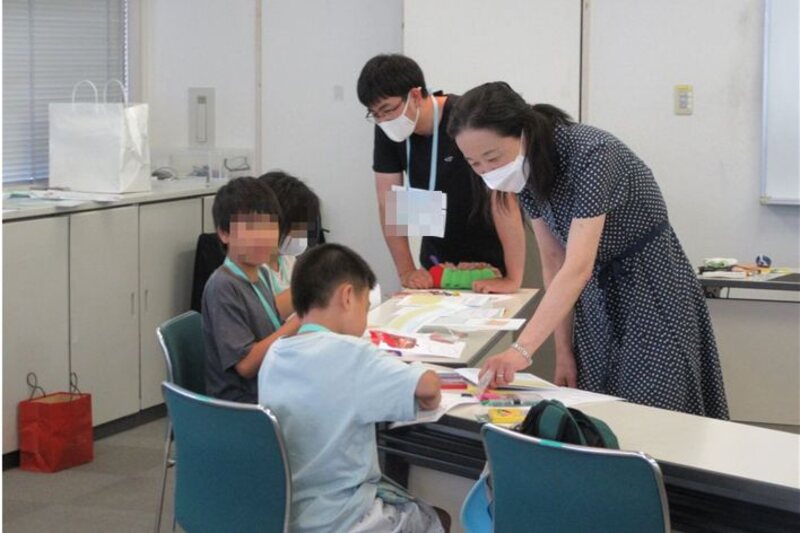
(210, 254)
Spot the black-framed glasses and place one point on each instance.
(378, 116)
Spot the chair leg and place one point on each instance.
(160, 504)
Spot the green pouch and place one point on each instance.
(552, 420)
(453, 278)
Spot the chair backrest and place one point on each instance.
(542, 485)
(233, 472)
(181, 340)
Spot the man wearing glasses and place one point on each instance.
(409, 123)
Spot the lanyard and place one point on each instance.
(434, 150)
(230, 265)
(312, 328)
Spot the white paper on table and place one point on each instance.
(427, 346)
(522, 380)
(449, 401)
(493, 324)
(457, 299)
(462, 315)
(571, 397)
(411, 319)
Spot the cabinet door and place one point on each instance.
(104, 315)
(167, 240)
(35, 313)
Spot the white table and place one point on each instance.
(478, 343)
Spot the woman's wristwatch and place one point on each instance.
(522, 351)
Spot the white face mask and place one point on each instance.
(293, 246)
(511, 177)
(399, 129)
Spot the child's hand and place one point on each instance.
(428, 392)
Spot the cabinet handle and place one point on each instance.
(146, 293)
(133, 303)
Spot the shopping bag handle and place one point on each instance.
(121, 87)
(92, 85)
(33, 383)
(73, 383)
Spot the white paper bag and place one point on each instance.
(99, 147)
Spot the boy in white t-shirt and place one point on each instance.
(328, 388)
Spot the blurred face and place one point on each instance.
(253, 238)
(485, 150)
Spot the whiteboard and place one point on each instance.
(780, 149)
(534, 45)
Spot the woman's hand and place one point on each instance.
(504, 366)
(566, 371)
(497, 286)
(416, 279)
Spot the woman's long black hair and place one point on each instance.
(496, 106)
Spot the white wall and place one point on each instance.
(313, 124)
(534, 45)
(708, 163)
(199, 43)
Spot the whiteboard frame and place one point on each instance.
(765, 198)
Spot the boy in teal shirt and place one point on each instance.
(328, 388)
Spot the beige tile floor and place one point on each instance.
(117, 492)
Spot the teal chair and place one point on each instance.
(542, 485)
(233, 473)
(181, 340)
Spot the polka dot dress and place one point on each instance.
(642, 330)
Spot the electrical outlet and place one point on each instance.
(201, 117)
(684, 99)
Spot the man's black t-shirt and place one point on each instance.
(467, 236)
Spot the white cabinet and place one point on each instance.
(167, 239)
(85, 291)
(104, 314)
(35, 313)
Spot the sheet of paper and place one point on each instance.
(493, 324)
(411, 319)
(449, 401)
(427, 346)
(452, 298)
(464, 315)
(571, 397)
(522, 380)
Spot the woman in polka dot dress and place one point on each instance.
(622, 299)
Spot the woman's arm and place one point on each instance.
(562, 293)
(508, 223)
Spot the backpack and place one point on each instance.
(552, 420)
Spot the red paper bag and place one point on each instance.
(55, 432)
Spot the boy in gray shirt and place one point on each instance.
(242, 316)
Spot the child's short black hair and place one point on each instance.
(299, 204)
(388, 75)
(319, 271)
(244, 196)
